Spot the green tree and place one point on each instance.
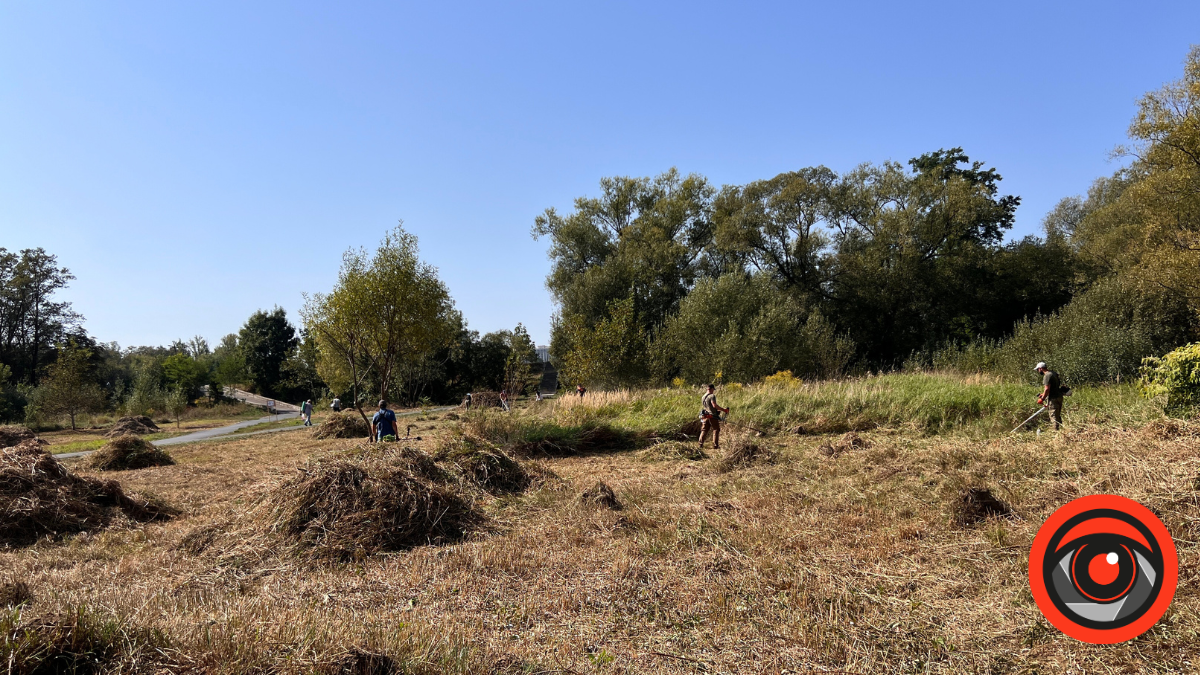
(387, 311)
(266, 342)
(31, 320)
(779, 227)
(613, 352)
(176, 402)
(912, 253)
(185, 373)
(744, 328)
(643, 239)
(519, 375)
(68, 387)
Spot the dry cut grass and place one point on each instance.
(859, 561)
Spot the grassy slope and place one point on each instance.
(925, 403)
(809, 564)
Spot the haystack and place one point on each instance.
(15, 434)
(138, 425)
(484, 465)
(976, 504)
(348, 508)
(39, 497)
(600, 494)
(347, 424)
(743, 453)
(127, 452)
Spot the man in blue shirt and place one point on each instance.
(383, 423)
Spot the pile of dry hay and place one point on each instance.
(135, 424)
(666, 451)
(15, 434)
(345, 508)
(602, 495)
(851, 441)
(484, 465)
(127, 452)
(347, 424)
(39, 498)
(976, 504)
(743, 453)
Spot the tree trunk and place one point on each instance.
(72, 415)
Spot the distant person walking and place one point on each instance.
(467, 401)
(504, 400)
(383, 423)
(306, 412)
(581, 390)
(1052, 393)
(336, 405)
(710, 417)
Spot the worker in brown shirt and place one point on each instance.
(710, 417)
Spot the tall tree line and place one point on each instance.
(881, 267)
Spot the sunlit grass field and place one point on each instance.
(802, 562)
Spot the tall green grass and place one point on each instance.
(924, 402)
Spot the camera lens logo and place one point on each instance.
(1103, 569)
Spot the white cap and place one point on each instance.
(1040, 365)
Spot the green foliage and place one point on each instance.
(745, 329)
(805, 271)
(1102, 336)
(31, 320)
(69, 387)
(519, 375)
(176, 403)
(266, 342)
(387, 314)
(146, 395)
(612, 352)
(1175, 376)
(186, 373)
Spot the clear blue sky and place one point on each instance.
(193, 162)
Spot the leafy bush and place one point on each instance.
(1101, 336)
(745, 329)
(1176, 376)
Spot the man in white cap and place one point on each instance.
(1052, 395)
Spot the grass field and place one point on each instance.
(801, 563)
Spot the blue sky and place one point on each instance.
(193, 162)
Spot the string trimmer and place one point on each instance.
(1039, 412)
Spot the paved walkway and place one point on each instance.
(217, 432)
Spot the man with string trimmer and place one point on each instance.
(710, 417)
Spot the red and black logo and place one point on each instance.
(1103, 569)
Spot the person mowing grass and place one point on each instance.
(384, 423)
(710, 417)
(1052, 393)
